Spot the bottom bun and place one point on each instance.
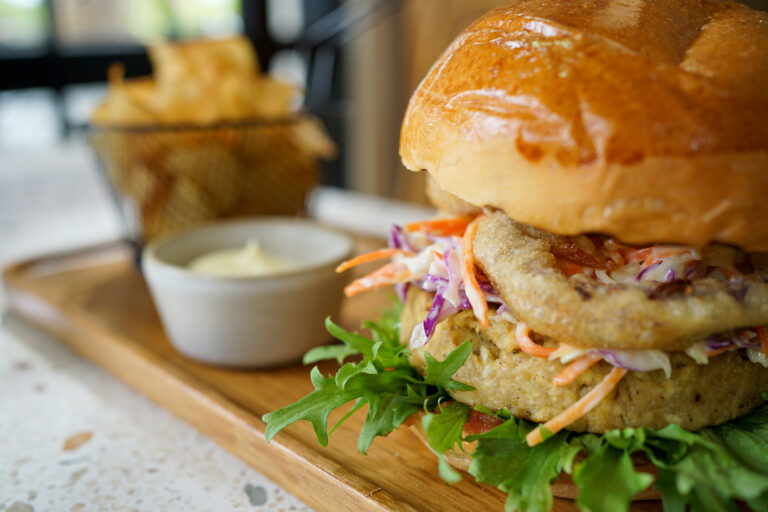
(563, 487)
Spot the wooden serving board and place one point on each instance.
(97, 302)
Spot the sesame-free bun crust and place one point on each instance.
(645, 120)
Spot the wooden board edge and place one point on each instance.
(298, 468)
(17, 274)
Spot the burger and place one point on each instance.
(588, 309)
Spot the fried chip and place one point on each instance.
(197, 82)
(208, 136)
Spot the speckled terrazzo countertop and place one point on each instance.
(72, 437)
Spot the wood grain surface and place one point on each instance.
(97, 302)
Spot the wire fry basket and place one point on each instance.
(167, 178)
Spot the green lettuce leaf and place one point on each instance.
(384, 417)
(503, 458)
(709, 471)
(329, 395)
(498, 451)
(607, 480)
(760, 503)
(671, 499)
(337, 352)
(715, 466)
(439, 373)
(443, 432)
(383, 380)
(529, 488)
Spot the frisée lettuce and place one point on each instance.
(709, 471)
(383, 380)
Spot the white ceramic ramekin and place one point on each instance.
(248, 321)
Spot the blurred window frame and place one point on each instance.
(53, 66)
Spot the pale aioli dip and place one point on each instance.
(240, 262)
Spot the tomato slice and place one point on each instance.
(479, 422)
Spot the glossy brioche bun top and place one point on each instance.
(643, 119)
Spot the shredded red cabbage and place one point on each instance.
(695, 271)
(434, 312)
(449, 294)
(398, 239)
(431, 282)
(616, 359)
(646, 270)
(401, 290)
(637, 360)
(735, 340)
(452, 260)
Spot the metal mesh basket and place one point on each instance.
(168, 178)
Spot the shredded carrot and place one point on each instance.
(568, 268)
(576, 368)
(637, 254)
(371, 256)
(580, 408)
(390, 273)
(527, 345)
(452, 226)
(717, 351)
(650, 255)
(762, 335)
(471, 288)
